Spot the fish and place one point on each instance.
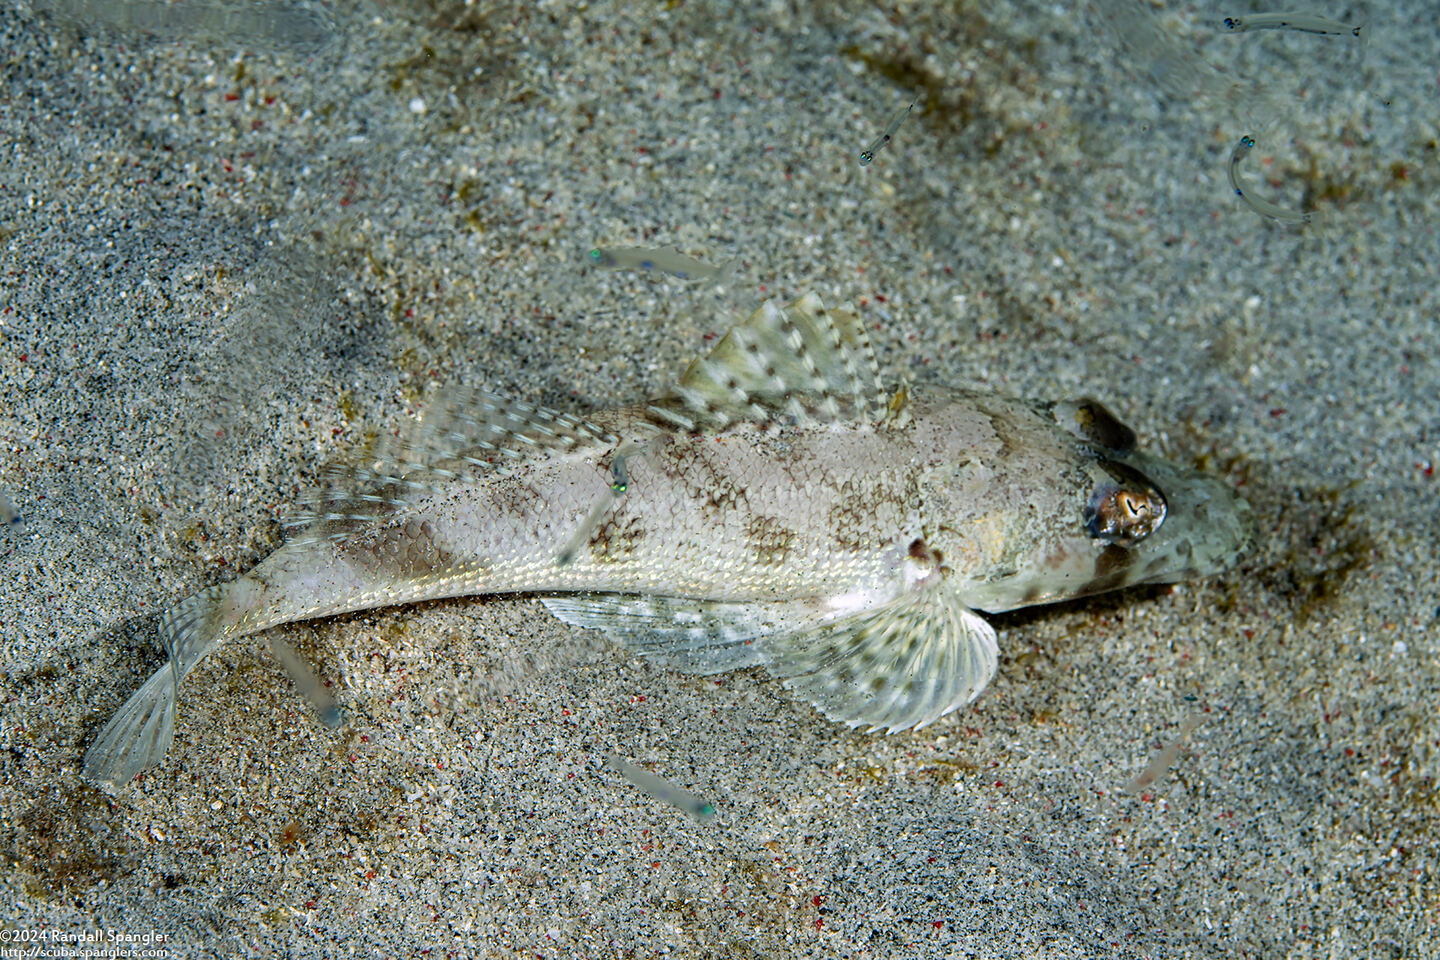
(662, 789)
(620, 482)
(283, 24)
(1165, 759)
(309, 685)
(10, 517)
(782, 509)
(1260, 205)
(1302, 22)
(868, 154)
(1172, 70)
(667, 261)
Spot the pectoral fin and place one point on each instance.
(895, 667)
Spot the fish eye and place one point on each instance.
(596, 255)
(1124, 513)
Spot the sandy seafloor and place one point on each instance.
(230, 253)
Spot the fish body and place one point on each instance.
(662, 789)
(1259, 204)
(665, 260)
(1300, 22)
(778, 507)
(10, 516)
(867, 156)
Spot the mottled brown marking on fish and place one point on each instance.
(616, 538)
(716, 491)
(845, 520)
(520, 498)
(402, 549)
(1112, 570)
(1004, 433)
(869, 511)
(769, 539)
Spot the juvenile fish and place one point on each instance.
(667, 261)
(309, 685)
(10, 517)
(1165, 759)
(781, 508)
(1302, 22)
(662, 789)
(1259, 204)
(868, 154)
(619, 484)
(278, 23)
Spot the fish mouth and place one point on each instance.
(1207, 525)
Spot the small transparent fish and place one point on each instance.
(868, 154)
(662, 789)
(280, 23)
(1260, 205)
(1172, 70)
(620, 483)
(1163, 760)
(777, 507)
(1301, 22)
(666, 261)
(309, 685)
(10, 518)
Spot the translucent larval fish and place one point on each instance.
(662, 789)
(672, 262)
(780, 508)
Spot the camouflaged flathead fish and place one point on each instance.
(778, 507)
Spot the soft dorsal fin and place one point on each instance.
(800, 362)
(461, 432)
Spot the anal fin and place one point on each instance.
(692, 636)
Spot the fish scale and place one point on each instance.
(778, 507)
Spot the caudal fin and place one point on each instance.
(139, 734)
(137, 737)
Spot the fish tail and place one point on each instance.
(1361, 32)
(139, 734)
(727, 271)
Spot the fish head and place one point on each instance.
(1118, 517)
(1147, 520)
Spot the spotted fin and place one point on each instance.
(798, 363)
(692, 636)
(902, 665)
(461, 432)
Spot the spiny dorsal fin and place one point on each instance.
(462, 432)
(799, 362)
